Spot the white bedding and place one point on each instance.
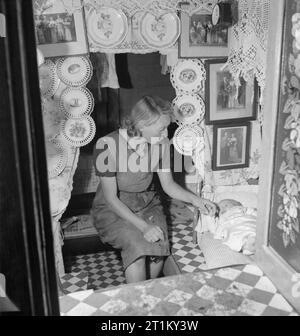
(236, 227)
(217, 254)
(246, 194)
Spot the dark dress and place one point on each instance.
(136, 190)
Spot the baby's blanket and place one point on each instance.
(234, 227)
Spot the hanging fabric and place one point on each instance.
(100, 75)
(111, 80)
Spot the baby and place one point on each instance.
(236, 226)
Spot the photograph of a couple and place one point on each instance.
(228, 96)
(202, 32)
(231, 146)
(55, 28)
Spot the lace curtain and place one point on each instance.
(248, 45)
(131, 7)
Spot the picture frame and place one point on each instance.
(59, 32)
(231, 146)
(222, 101)
(199, 38)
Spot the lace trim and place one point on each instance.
(248, 45)
(155, 7)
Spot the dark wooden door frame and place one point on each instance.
(28, 149)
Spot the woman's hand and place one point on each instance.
(205, 206)
(153, 233)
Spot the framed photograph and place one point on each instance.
(231, 146)
(58, 32)
(199, 38)
(224, 101)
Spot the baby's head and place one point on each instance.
(227, 204)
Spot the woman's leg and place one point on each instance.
(136, 271)
(155, 268)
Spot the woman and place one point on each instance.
(68, 26)
(53, 28)
(224, 148)
(60, 29)
(41, 27)
(233, 152)
(126, 210)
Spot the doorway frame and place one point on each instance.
(31, 221)
(274, 266)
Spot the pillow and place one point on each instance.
(246, 194)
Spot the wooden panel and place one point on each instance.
(275, 267)
(26, 240)
(12, 265)
(289, 250)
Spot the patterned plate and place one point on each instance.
(159, 32)
(188, 109)
(74, 71)
(79, 132)
(107, 27)
(76, 102)
(49, 82)
(188, 76)
(57, 158)
(59, 195)
(187, 138)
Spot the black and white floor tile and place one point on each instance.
(102, 270)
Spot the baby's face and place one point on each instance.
(227, 204)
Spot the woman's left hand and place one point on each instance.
(205, 206)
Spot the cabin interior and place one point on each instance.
(231, 71)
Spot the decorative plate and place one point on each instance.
(187, 138)
(79, 132)
(159, 32)
(59, 195)
(188, 109)
(74, 71)
(107, 27)
(76, 102)
(57, 158)
(188, 76)
(49, 82)
(52, 118)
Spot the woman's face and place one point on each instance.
(157, 131)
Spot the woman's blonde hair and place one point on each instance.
(144, 113)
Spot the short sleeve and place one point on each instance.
(105, 157)
(165, 157)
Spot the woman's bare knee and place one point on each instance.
(136, 271)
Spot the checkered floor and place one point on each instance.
(241, 290)
(236, 291)
(187, 255)
(103, 270)
(100, 270)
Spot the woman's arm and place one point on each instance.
(109, 187)
(174, 190)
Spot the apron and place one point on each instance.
(137, 191)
